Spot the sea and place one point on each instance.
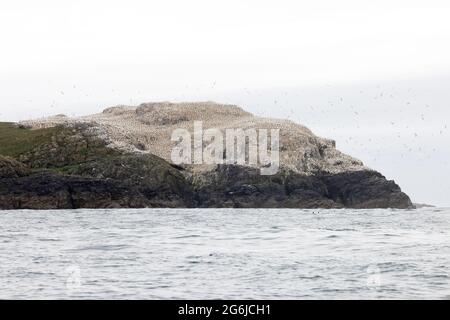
(225, 254)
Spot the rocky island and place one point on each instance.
(120, 158)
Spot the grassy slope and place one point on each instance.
(15, 141)
(50, 148)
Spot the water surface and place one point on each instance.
(225, 254)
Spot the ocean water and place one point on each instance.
(225, 254)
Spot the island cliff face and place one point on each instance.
(121, 159)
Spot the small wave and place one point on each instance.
(339, 230)
(103, 247)
(187, 236)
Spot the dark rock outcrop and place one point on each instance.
(243, 187)
(49, 190)
(365, 189)
(45, 189)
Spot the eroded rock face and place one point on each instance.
(120, 158)
(243, 187)
(233, 186)
(152, 177)
(365, 189)
(49, 190)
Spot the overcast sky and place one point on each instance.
(375, 76)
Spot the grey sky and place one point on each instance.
(373, 76)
